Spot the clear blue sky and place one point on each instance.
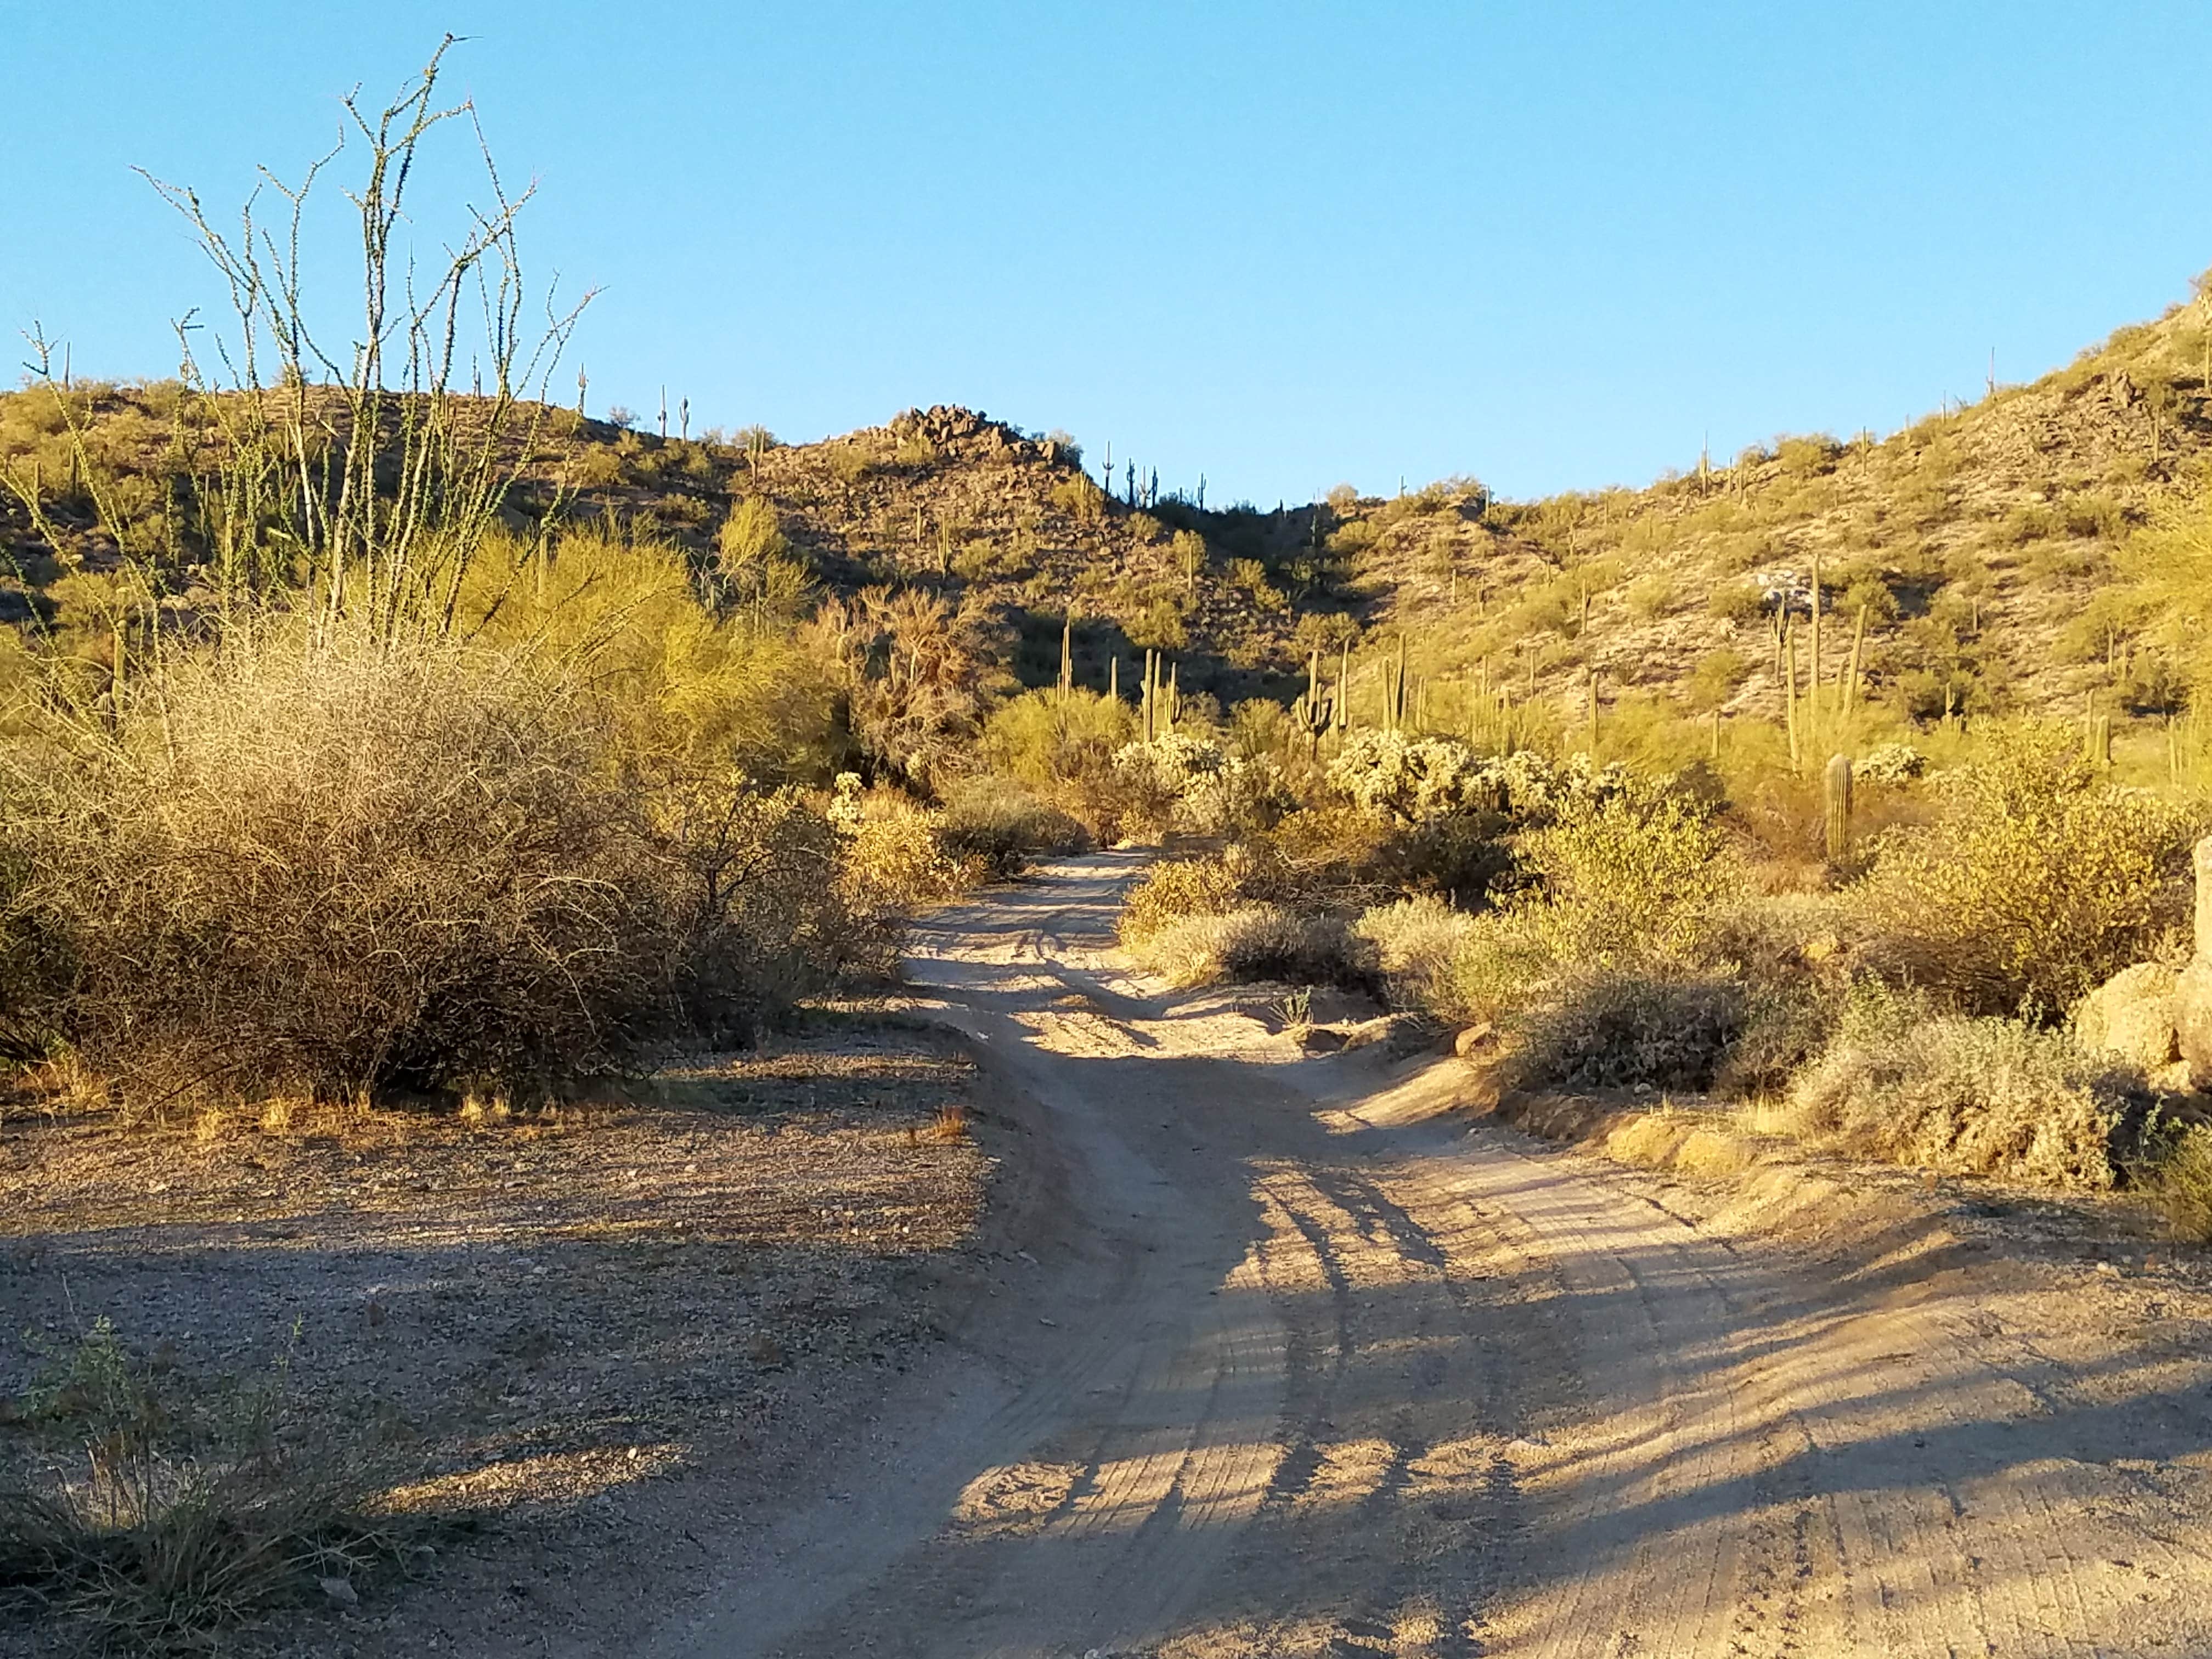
(1551, 245)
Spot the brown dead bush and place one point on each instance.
(341, 867)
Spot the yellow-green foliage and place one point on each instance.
(625, 618)
(1180, 888)
(2036, 881)
(1631, 879)
(895, 859)
(1081, 499)
(1041, 737)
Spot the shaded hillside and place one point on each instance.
(1974, 542)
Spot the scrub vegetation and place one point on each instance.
(380, 734)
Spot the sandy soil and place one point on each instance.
(1254, 1352)
(1297, 1359)
(591, 1340)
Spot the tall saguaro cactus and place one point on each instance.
(1836, 807)
(1313, 713)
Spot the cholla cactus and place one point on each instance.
(1410, 780)
(1892, 764)
(844, 811)
(1214, 792)
(1170, 761)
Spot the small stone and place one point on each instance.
(340, 1592)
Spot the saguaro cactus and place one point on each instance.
(1313, 713)
(1836, 807)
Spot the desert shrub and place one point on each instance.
(342, 866)
(1629, 879)
(1463, 858)
(1081, 499)
(594, 466)
(619, 619)
(2036, 881)
(1637, 874)
(154, 1519)
(1963, 1094)
(1257, 942)
(1415, 942)
(1614, 1028)
(1892, 764)
(1742, 602)
(1178, 888)
(1041, 737)
(1002, 825)
(1249, 577)
(2181, 1184)
(893, 860)
(1194, 784)
(1715, 679)
(1652, 597)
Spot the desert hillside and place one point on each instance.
(1976, 544)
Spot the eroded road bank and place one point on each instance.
(1282, 1361)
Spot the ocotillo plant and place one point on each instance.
(1066, 655)
(1836, 807)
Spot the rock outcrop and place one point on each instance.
(2131, 1018)
(2192, 994)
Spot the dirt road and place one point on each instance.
(1277, 1365)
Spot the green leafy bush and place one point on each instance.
(2037, 881)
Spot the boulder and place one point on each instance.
(2131, 1017)
(2192, 994)
(1476, 1040)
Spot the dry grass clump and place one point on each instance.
(1416, 941)
(1257, 942)
(341, 867)
(156, 1519)
(1963, 1094)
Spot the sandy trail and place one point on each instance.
(1284, 1369)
